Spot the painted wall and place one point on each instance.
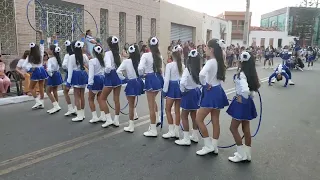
(259, 35)
(214, 24)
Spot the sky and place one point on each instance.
(257, 7)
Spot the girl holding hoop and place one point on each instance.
(112, 82)
(190, 88)
(213, 96)
(96, 81)
(78, 78)
(172, 92)
(34, 66)
(71, 109)
(150, 66)
(242, 108)
(55, 79)
(134, 85)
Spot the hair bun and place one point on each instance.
(132, 49)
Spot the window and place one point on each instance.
(234, 24)
(122, 29)
(264, 23)
(138, 28)
(153, 27)
(281, 22)
(241, 25)
(262, 41)
(279, 42)
(254, 42)
(104, 31)
(271, 42)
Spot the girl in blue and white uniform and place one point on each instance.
(242, 109)
(55, 78)
(112, 82)
(78, 78)
(96, 81)
(172, 93)
(150, 66)
(213, 96)
(66, 89)
(34, 65)
(311, 57)
(285, 55)
(281, 70)
(190, 88)
(135, 84)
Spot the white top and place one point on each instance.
(52, 65)
(127, 66)
(208, 74)
(72, 65)
(65, 61)
(242, 87)
(146, 64)
(109, 62)
(171, 74)
(20, 65)
(279, 69)
(94, 69)
(187, 82)
(27, 66)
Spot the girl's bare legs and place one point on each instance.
(71, 109)
(53, 96)
(116, 99)
(171, 132)
(152, 132)
(91, 97)
(185, 141)
(39, 103)
(131, 101)
(103, 102)
(77, 101)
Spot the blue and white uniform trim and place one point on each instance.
(284, 70)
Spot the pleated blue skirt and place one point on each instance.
(190, 99)
(153, 82)
(242, 111)
(174, 90)
(98, 83)
(38, 74)
(112, 79)
(134, 87)
(214, 98)
(55, 79)
(79, 78)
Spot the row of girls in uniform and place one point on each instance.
(199, 93)
(181, 87)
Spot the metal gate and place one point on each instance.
(184, 33)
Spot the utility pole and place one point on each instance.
(246, 24)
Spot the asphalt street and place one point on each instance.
(38, 146)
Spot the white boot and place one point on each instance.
(38, 103)
(152, 132)
(177, 131)
(248, 152)
(158, 117)
(116, 121)
(102, 116)
(79, 116)
(83, 113)
(95, 118)
(185, 141)
(194, 137)
(207, 148)
(171, 132)
(136, 117)
(71, 110)
(290, 82)
(108, 121)
(56, 108)
(240, 155)
(273, 80)
(215, 145)
(130, 128)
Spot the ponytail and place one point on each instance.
(98, 53)
(56, 52)
(113, 43)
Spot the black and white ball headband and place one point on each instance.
(98, 49)
(221, 43)
(79, 44)
(67, 43)
(193, 53)
(176, 48)
(245, 56)
(32, 45)
(132, 49)
(154, 41)
(114, 40)
(57, 49)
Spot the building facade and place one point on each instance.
(238, 20)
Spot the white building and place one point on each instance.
(214, 27)
(266, 38)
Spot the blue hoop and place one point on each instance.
(43, 14)
(76, 22)
(124, 106)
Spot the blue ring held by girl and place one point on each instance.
(174, 91)
(98, 83)
(153, 82)
(79, 78)
(134, 87)
(38, 74)
(55, 79)
(245, 110)
(214, 98)
(112, 79)
(190, 99)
